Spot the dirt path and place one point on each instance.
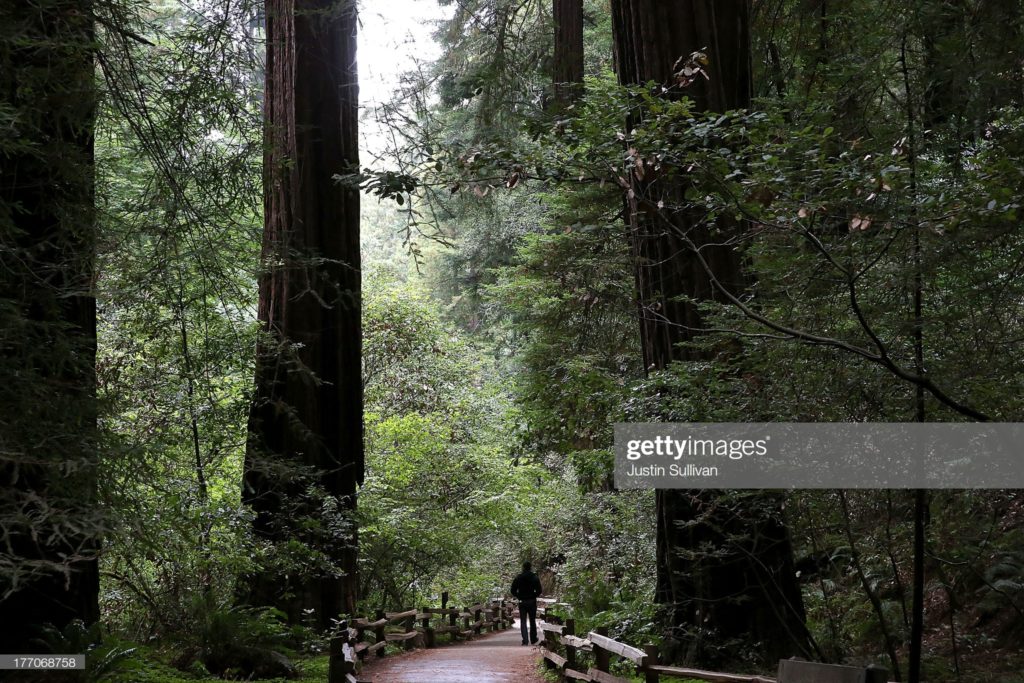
(494, 658)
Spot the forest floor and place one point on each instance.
(495, 658)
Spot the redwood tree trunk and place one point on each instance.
(1000, 43)
(48, 516)
(730, 574)
(305, 451)
(973, 55)
(568, 67)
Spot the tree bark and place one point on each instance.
(730, 574)
(568, 65)
(305, 424)
(999, 32)
(945, 91)
(973, 60)
(48, 514)
(917, 625)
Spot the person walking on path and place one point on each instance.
(526, 588)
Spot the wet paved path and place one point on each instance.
(495, 658)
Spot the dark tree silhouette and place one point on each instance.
(568, 65)
(305, 453)
(48, 447)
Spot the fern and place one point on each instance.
(76, 638)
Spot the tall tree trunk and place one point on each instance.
(917, 608)
(920, 496)
(568, 67)
(818, 56)
(999, 32)
(305, 451)
(946, 87)
(973, 63)
(48, 515)
(745, 587)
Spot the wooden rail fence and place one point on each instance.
(359, 637)
(562, 649)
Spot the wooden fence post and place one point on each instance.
(340, 665)
(651, 650)
(547, 641)
(378, 632)
(360, 636)
(602, 659)
(410, 626)
(451, 617)
(570, 651)
(428, 632)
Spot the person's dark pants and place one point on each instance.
(528, 608)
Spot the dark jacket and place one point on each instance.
(526, 586)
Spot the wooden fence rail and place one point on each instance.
(359, 637)
(562, 647)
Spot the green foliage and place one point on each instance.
(571, 289)
(441, 509)
(1004, 583)
(147, 667)
(233, 641)
(178, 155)
(835, 224)
(497, 56)
(864, 168)
(601, 551)
(102, 660)
(967, 558)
